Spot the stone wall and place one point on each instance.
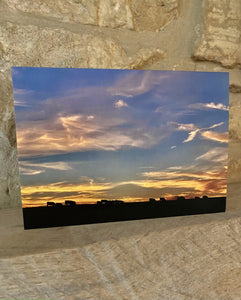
(149, 34)
(192, 257)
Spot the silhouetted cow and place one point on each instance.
(70, 203)
(110, 202)
(105, 202)
(118, 202)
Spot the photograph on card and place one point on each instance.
(104, 145)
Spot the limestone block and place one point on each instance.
(5, 149)
(235, 117)
(9, 177)
(154, 14)
(115, 13)
(220, 39)
(140, 15)
(234, 147)
(235, 81)
(6, 108)
(34, 46)
(234, 168)
(79, 11)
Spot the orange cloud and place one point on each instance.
(221, 137)
(86, 192)
(69, 134)
(200, 181)
(168, 183)
(72, 133)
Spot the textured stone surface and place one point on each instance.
(234, 165)
(235, 81)
(113, 13)
(154, 14)
(82, 11)
(195, 257)
(34, 46)
(220, 39)
(234, 117)
(136, 15)
(9, 175)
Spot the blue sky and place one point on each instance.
(88, 134)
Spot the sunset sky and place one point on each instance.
(87, 134)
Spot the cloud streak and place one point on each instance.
(206, 133)
(29, 168)
(73, 133)
(221, 137)
(211, 105)
(217, 154)
(134, 84)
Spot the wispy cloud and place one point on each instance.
(211, 105)
(29, 171)
(217, 154)
(221, 137)
(21, 97)
(21, 92)
(21, 103)
(71, 133)
(30, 168)
(62, 166)
(196, 182)
(174, 175)
(191, 136)
(133, 84)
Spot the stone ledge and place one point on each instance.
(193, 257)
(15, 241)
